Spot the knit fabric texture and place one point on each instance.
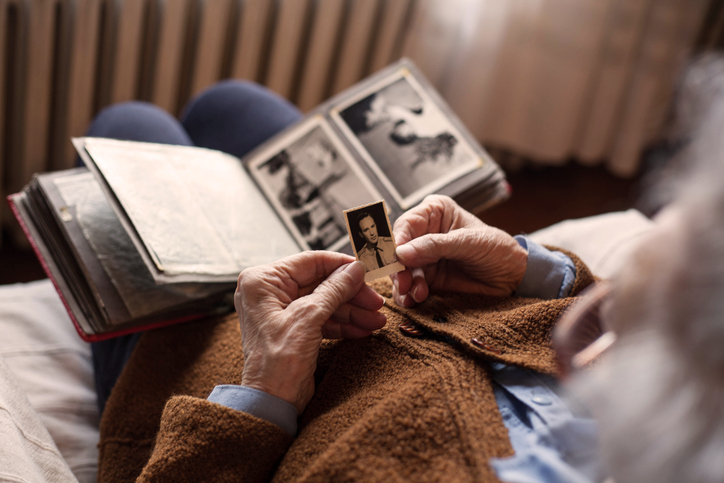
(397, 406)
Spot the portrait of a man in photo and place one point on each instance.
(378, 251)
(370, 234)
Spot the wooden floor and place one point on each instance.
(541, 197)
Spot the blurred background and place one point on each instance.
(571, 97)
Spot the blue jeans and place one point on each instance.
(232, 116)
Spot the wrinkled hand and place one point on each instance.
(447, 248)
(286, 308)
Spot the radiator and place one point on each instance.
(61, 61)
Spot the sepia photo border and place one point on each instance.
(305, 127)
(412, 199)
(387, 269)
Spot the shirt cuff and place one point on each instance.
(549, 274)
(257, 403)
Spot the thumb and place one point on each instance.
(434, 247)
(338, 288)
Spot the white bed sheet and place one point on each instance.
(52, 366)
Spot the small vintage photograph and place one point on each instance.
(405, 137)
(310, 178)
(371, 236)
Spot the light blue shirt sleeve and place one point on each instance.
(549, 274)
(257, 403)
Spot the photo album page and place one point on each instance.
(390, 137)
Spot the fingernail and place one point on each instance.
(381, 320)
(405, 251)
(395, 284)
(356, 269)
(413, 292)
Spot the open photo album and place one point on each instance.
(147, 234)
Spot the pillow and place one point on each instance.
(27, 452)
(603, 242)
(52, 365)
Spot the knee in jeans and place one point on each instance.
(231, 90)
(233, 95)
(138, 121)
(130, 111)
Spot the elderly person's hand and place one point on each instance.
(286, 308)
(447, 248)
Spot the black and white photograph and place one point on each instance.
(371, 236)
(405, 138)
(310, 178)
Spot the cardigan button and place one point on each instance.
(485, 346)
(410, 329)
(439, 318)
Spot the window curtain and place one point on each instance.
(555, 80)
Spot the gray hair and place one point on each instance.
(659, 393)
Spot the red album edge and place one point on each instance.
(87, 337)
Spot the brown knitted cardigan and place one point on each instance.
(395, 406)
